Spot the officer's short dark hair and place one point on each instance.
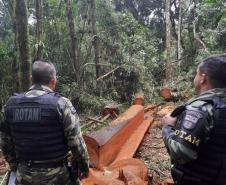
(42, 72)
(215, 68)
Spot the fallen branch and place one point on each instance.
(158, 147)
(93, 120)
(151, 107)
(107, 74)
(105, 117)
(100, 64)
(197, 37)
(158, 171)
(96, 120)
(5, 177)
(90, 122)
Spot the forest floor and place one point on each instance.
(152, 150)
(4, 167)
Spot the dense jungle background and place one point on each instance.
(109, 50)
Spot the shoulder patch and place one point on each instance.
(73, 110)
(191, 118)
(198, 103)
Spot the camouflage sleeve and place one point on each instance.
(178, 152)
(7, 146)
(193, 127)
(72, 131)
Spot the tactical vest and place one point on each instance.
(35, 128)
(210, 167)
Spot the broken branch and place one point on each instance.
(107, 74)
(96, 120)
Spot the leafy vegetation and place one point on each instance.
(131, 46)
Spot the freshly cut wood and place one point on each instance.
(166, 93)
(111, 150)
(173, 95)
(139, 100)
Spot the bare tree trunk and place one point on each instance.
(22, 40)
(15, 64)
(169, 69)
(196, 35)
(95, 37)
(39, 28)
(197, 38)
(74, 50)
(179, 48)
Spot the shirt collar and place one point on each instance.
(215, 91)
(221, 92)
(40, 87)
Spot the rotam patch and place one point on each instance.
(191, 118)
(73, 110)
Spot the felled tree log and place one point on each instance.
(172, 95)
(166, 94)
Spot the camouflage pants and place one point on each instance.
(43, 176)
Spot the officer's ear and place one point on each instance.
(203, 78)
(31, 78)
(53, 82)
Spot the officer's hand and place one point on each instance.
(83, 170)
(13, 166)
(168, 119)
(83, 175)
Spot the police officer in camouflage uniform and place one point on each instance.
(40, 128)
(195, 133)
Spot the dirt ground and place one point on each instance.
(3, 168)
(153, 152)
(152, 149)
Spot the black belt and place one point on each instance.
(42, 164)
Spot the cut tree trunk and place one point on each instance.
(166, 94)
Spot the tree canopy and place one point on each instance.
(109, 50)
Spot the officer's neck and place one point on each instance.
(51, 86)
(205, 87)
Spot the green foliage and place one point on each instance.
(131, 37)
(5, 76)
(212, 24)
(83, 101)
